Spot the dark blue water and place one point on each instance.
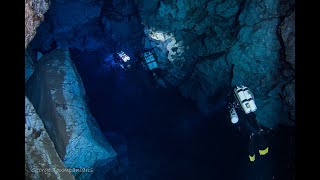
(166, 136)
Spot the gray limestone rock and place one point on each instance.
(41, 158)
(288, 36)
(245, 32)
(182, 30)
(290, 100)
(34, 14)
(57, 93)
(209, 76)
(66, 28)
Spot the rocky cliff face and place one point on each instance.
(203, 47)
(208, 46)
(67, 19)
(41, 158)
(29, 59)
(34, 14)
(56, 91)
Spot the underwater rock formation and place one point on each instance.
(34, 14)
(287, 33)
(188, 32)
(29, 65)
(97, 30)
(289, 100)
(66, 21)
(207, 78)
(57, 93)
(41, 158)
(255, 56)
(288, 36)
(238, 42)
(204, 47)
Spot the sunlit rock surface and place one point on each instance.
(41, 158)
(57, 93)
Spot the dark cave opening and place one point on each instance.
(157, 133)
